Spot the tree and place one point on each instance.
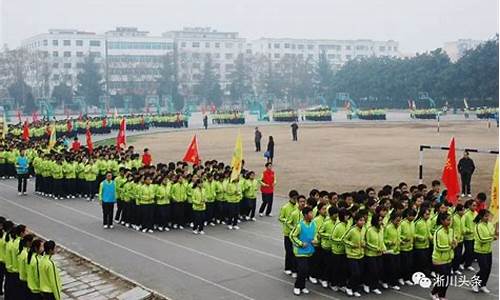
(324, 77)
(62, 93)
(22, 94)
(168, 78)
(90, 82)
(208, 89)
(240, 79)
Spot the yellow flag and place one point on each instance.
(52, 138)
(494, 194)
(236, 162)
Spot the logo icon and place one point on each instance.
(422, 280)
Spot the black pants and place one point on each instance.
(406, 265)
(199, 218)
(162, 214)
(457, 258)
(178, 210)
(340, 273)
(484, 261)
(119, 210)
(252, 203)
(48, 296)
(392, 268)
(219, 210)
(294, 135)
(2, 276)
(10, 291)
(22, 180)
(135, 213)
(440, 286)
(257, 146)
(209, 213)
(302, 272)
(58, 187)
(316, 262)
(267, 203)
(468, 253)
(326, 265)
(90, 189)
(107, 213)
(422, 259)
(465, 178)
(147, 214)
(289, 256)
(232, 213)
(355, 271)
(373, 269)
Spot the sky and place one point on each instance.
(418, 25)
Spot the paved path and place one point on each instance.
(244, 264)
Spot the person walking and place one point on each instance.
(295, 128)
(270, 150)
(22, 164)
(258, 138)
(107, 196)
(267, 182)
(466, 168)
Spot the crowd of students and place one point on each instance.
(368, 241)
(27, 269)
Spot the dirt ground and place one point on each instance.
(341, 157)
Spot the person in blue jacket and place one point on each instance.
(22, 168)
(107, 197)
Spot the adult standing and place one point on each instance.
(107, 196)
(267, 183)
(258, 138)
(205, 121)
(295, 128)
(22, 164)
(270, 150)
(466, 168)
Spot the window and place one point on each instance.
(217, 66)
(196, 55)
(67, 43)
(95, 54)
(79, 54)
(79, 65)
(207, 45)
(55, 65)
(55, 54)
(276, 55)
(348, 57)
(229, 56)
(395, 48)
(67, 77)
(67, 53)
(55, 77)
(94, 43)
(55, 43)
(217, 45)
(381, 48)
(249, 51)
(196, 76)
(300, 47)
(208, 55)
(287, 45)
(293, 46)
(79, 43)
(45, 42)
(67, 65)
(196, 65)
(310, 56)
(217, 55)
(196, 45)
(183, 45)
(228, 45)
(331, 56)
(300, 56)
(269, 46)
(276, 46)
(229, 66)
(310, 47)
(348, 47)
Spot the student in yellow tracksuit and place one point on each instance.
(392, 259)
(338, 252)
(146, 205)
(5, 228)
(325, 240)
(22, 263)
(456, 224)
(484, 235)
(407, 239)
(12, 281)
(199, 206)
(374, 249)
(33, 261)
(442, 254)
(354, 243)
(50, 281)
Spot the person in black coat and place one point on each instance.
(270, 150)
(258, 138)
(295, 127)
(466, 168)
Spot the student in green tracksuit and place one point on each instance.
(219, 199)
(303, 239)
(233, 196)
(354, 243)
(456, 225)
(119, 182)
(250, 195)
(374, 249)
(392, 258)
(58, 177)
(127, 194)
(50, 281)
(146, 204)
(423, 237)
(91, 171)
(209, 192)
(22, 262)
(468, 232)
(12, 282)
(338, 252)
(69, 170)
(162, 204)
(442, 254)
(325, 240)
(484, 235)
(33, 261)
(285, 211)
(179, 196)
(317, 257)
(199, 207)
(407, 240)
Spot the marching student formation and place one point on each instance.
(368, 241)
(27, 270)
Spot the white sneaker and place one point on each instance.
(484, 290)
(294, 275)
(356, 294)
(144, 230)
(19, 193)
(366, 288)
(334, 288)
(395, 287)
(73, 197)
(167, 229)
(471, 268)
(401, 281)
(261, 214)
(463, 195)
(434, 297)
(150, 231)
(191, 224)
(253, 219)
(181, 227)
(24, 194)
(175, 226)
(67, 197)
(475, 289)
(324, 283)
(127, 225)
(111, 226)
(195, 231)
(313, 280)
(202, 232)
(296, 291)
(205, 223)
(247, 218)
(269, 215)
(160, 228)
(212, 224)
(384, 285)
(217, 221)
(349, 292)
(288, 272)
(461, 267)
(236, 227)
(469, 195)
(343, 289)
(230, 227)
(409, 283)
(305, 291)
(433, 274)
(457, 272)
(377, 292)
(105, 226)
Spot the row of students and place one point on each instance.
(376, 243)
(27, 269)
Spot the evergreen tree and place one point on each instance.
(240, 79)
(90, 81)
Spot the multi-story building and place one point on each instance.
(457, 49)
(338, 52)
(194, 45)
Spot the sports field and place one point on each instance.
(341, 157)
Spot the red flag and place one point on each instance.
(26, 131)
(121, 138)
(88, 136)
(104, 123)
(450, 174)
(69, 126)
(192, 155)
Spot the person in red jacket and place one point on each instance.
(146, 158)
(267, 183)
(75, 146)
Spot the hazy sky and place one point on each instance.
(417, 24)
